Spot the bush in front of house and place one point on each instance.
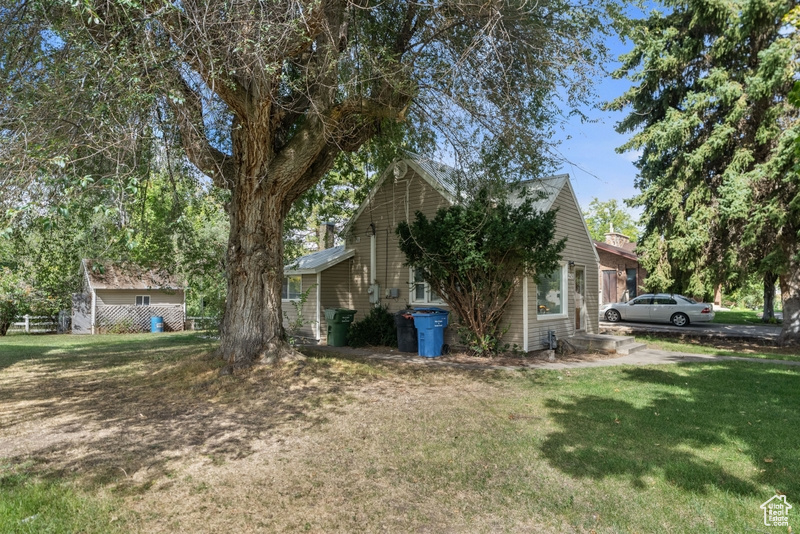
(377, 328)
(474, 254)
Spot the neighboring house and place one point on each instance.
(621, 276)
(122, 299)
(367, 270)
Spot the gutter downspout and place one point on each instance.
(319, 320)
(525, 327)
(373, 259)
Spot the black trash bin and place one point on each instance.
(406, 331)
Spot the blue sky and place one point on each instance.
(589, 149)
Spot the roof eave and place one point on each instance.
(347, 254)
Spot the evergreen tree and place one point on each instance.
(709, 112)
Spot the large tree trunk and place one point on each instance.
(790, 295)
(252, 328)
(769, 297)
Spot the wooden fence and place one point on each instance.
(34, 325)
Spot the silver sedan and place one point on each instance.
(661, 308)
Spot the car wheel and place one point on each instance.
(679, 319)
(612, 316)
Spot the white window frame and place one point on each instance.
(145, 300)
(286, 296)
(412, 291)
(564, 298)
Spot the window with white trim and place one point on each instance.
(551, 295)
(143, 300)
(292, 288)
(421, 292)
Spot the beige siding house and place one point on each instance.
(368, 269)
(123, 299)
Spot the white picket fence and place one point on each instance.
(34, 325)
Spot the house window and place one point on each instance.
(550, 293)
(421, 292)
(292, 288)
(143, 300)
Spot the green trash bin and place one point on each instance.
(338, 320)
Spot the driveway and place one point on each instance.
(750, 332)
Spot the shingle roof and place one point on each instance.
(616, 250)
(106, 275)
(318, 261)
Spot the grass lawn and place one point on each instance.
(720, 347)
(740, 316)
(144, 433)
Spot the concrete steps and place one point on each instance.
(621, 345)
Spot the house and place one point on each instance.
(367, 270)
(621, 276)
(123, 298)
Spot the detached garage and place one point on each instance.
(124, 298)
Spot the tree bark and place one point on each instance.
(769, 297)
(790, 296)
(252, 327)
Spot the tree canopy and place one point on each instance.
(710, 114)
(263, 96)
(608, 216)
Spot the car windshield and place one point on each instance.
(686, 299)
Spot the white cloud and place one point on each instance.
(631, 155)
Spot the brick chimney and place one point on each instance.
(326, 235)
(616, 239)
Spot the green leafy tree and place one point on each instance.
(475, 254)
(263, 97)
(710, 114)
(17, 298)
(601, 217)
(168, 220)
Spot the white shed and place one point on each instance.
(123, 298)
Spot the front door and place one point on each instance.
(580, 298)
(610, 287)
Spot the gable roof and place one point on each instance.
(318, 261)
(551, 186)
(101, 275)
(619, 251)
(446, 180)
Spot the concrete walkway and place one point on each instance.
(643, 357)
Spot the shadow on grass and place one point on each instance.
(690, 431)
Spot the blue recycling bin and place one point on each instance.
(430, 324)
(156, 324)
